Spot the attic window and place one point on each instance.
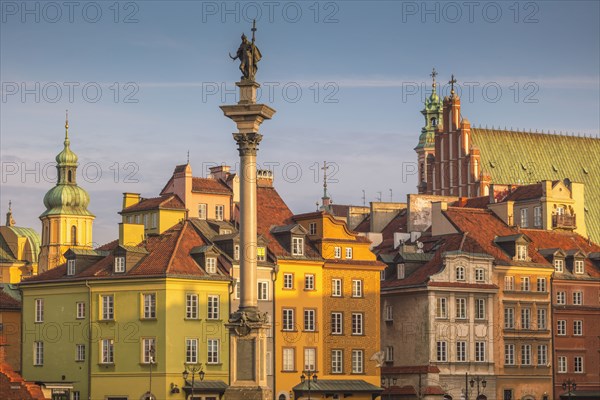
(211, 265)
(261, 254)
(579, 266)
(297, 246)
(119, 264)
(521, 252)
(559, 265)
(225, 231)
(70, 267)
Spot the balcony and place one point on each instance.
(563, 221)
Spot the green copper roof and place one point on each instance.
(66, 199)
(525, 158)
(433, 109)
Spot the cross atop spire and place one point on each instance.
(66, 127)
(326, 199)
(433, 75)
(9, 218)
(452, 82)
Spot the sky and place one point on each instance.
(143, 82)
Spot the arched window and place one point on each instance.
(74, 235)
(433, 121)
(460, 273)
(69, 176)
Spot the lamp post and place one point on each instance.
(308, 376)
(479, 380)
(193, 369)
(569, 385)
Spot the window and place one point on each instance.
(562, 364)
(269, 366)
(297, 246)
(312, 228)
(288, 359)
(76, 395)
(442, 351)
(73, 233)
(191, 306)
(509, 354)
(309, 320)
(526, 354)
(561, 327)
(288, 281)
(579, 266)
(541, 284)
(348, 252)
(542, 354)
(288, 319)
(479, 351)
(578, 364)
(357, 361)
(137, 219)
(337, 252)
(213, 351)
(119, 264)
(509, 318)
(461, 351)
(400, 271)
(145, 221)
(309, 282)
(202, 211)
(561, 298)
(219, 211)
(537, 217)
(80, 307)
(460, 273)
(38, 353)
(70, 267)
(526, 318)
(154, 220)
(261, 254)
(149, 305)
(148, 350)
(336, 287)
(263, 290)
(441, 309)
(542, 320)
(211, 265)
(525, 284)
(213, 307)
(524, 222)
(337, 362)
(238, 289)
(236, 252)
(108, 306)
(107, 353)
(479, 275)
(310, 359)
(521, 252)
(389, 354)
(336, 323)
(479, 308)
(357, 288)
(577, 298)
(389, 312)
(509, 283)
(461, 308)
(39, 310)
(559, 265)
(191, 351)
(382, 275)
(357, 323)
(578, 327)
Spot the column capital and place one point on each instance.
(247, 143)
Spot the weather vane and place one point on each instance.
(249, 56)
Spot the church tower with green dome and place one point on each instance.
(66, 223)
(426, 147)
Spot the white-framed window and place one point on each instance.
(337, 361)
(70, 267)
(509, 318)
(521, 252)
(525, 286)
(509, 283)
(80, 310)
(561, 327)
(337, 252)
(526, 354)
(461, 307)
(400, 271)
(263, 290)
(289, 363)
(261, 253)
(213, 307)
(479, 275)
(80, 352)
(358, 357)
(480, 351)
(578, 364)
(441, 309)
(509, 354)
(526, 318)
(202, 210)
(76, 395)
(297, 246)
(562, 365)
(537, 217)
(559, 265)
(357, 288)
(480, 308)
(579, 266)
(578, 327)
(191, 350)
(213, 351)
(542, 354)
(524, 221)
(149, 305)
(309, 319)
(38, 353)
(389, 312)
(348, 252)
(119, 264)
(442, 351)
(336, 323)
(39, 310)
(312, 228)
(561, 297)
(236, 252)
(310, 359)
(211, 265)
(389, 354)
(107, 354)
(191, 306)
(357, 324)
(460, 273)
(148, 350)
(108, 306)
(542, 318)
(461, 351)
(541, 285)
(336, 287)
(288, 281)
(309, 282)
(288, 319)
(154, 220)
(577, 298)
(219, 212)
(146, 225)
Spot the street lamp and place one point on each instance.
(478, 379)
(308, 376)
(193, 369)
(570, 386)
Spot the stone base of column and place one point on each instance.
(248, 393)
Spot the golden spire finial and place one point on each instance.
(66, 127)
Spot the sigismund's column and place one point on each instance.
(248, 327)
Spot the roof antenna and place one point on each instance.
(391, 196)
(188, 157)
(379, 196)
(364, 198)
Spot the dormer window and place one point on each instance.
(521, 252)
(579, 267)
(559, 265)
(119, 264)
(261, 254)
(70, 267)
(211, 265)
(460, 273)
(400, 271)
(297, 246)
(225, 231)
(312, 228)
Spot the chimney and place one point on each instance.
(219, 172)
(264, 178)
(130, 199)
(131, 234)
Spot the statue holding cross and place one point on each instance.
(249, 55)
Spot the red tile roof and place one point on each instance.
(207, 185)
(397, 224)
(7, 302)
(472, 202)
(271, 211)
(171, 201)
(525, 192)
(16, 387)
(364, 226)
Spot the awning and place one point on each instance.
(344, 387)
(582, 394)
(205, 387)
